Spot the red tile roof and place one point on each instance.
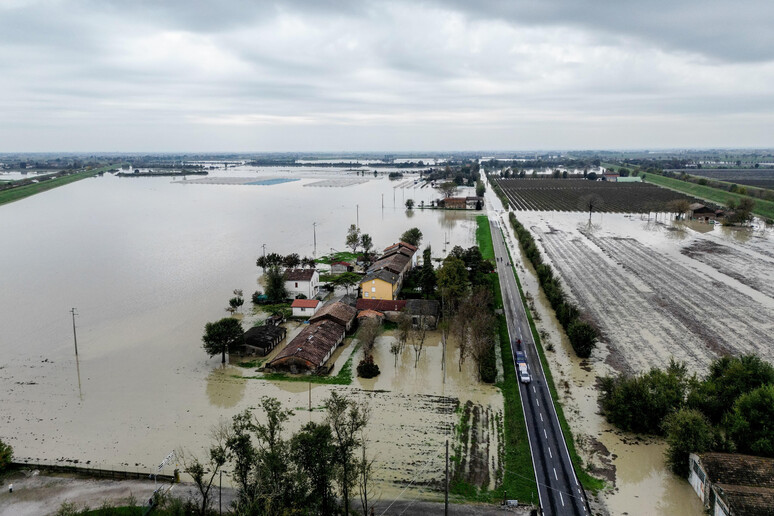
(370, 313)
(305, 303)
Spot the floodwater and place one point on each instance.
(147, 262)
(640, 483)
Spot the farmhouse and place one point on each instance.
(610, 176)
(338, 312)
(700, 211)
(304, 282)
(731, 484)
(262, 339)
(381, 284)
(310, 349)
(385, 277)
(305, 307)
(462, 203)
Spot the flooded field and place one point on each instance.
(635, 324)
(147, 262)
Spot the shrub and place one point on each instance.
(6, 456)
(687, 431)
(583, 337)
(487, 368)
(367, 369)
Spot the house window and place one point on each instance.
(366, 294)
(303, 309)
(296, 284)
(373, 289)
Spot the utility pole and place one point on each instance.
(446, 487)
(220, 493)
(75, 338)
(382, 201)
(314, 228)
(357, 216)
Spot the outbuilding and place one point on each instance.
(338, 312)
(260, 340)
(310, 349)
(732, 484)
(305, 307)
(302, 282)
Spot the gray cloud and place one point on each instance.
(251, 75)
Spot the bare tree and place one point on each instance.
(203, 474)
(460, 327)
(679, 207)
(590, 203)
(367, 335)
(364, 474)
(416, 336)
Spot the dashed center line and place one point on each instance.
(541, 416)
(549, 453)
(555, 475)
(544, 433)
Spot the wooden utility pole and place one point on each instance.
(75, 338)
(314, 228)
(446, 487)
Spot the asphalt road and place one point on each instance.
(558, 486)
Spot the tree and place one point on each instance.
(427, 279)
(347, 280)
(203, 474)
(751, 423)
(353, 238)
(6, 456)
(366, 335)
(409, 204)
(417, 335)
(346, 420)
(448, 189)
(291, 261)
(223, 336)
(480, 188)
(235, 303)
(275, 284)
(412, 236)
(269, 260)
(679, 207)
(482, 330)
(367, 244)
(744, 210)
(452, 281)
(272, 454)
(687, 431)
(364, 473)
(313, 450)
(590, 202)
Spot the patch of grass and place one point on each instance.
(340, 256)
(484, 237)
(252, 364)
(589, 482)
(20, 192)
(762, 207)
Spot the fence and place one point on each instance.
(118, 472)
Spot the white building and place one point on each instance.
(305, 307)
(302, 281)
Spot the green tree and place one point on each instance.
(222, 336)
(353, 238)
(452, 281)
(409, 204)
(291, 261)
(367, 244)
(313, 451)
(347, 280)
(751, 423)
(203, 474)
(729, 378)
(427, 280)
(687, 431)
(582, 336)
(275, 284)
(346, 420)
(412, 236)
(6, 456)
(480, 188)
(448, 189)
(235, 303)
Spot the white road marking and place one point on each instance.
(549, 453)
(537, 401)
(561, 498)
(545, 434)
(533, 389)
(541, 416)
(555, 475)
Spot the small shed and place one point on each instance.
(262, 339)
(305, 307)
(370, 314)
(700, 211)
(341, 267)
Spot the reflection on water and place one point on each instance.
(223, 390)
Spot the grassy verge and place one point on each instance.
(18, 193)
(484, 237)
(762, 207)
(589, 482)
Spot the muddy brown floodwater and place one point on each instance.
(652, 288)
(147, 262)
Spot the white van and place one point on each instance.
(524, 374)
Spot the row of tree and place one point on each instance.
(730, 410)
(307, 472)
(581, 333)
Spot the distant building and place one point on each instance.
(731, 484)
(384, 306)
(302, 282)
(611, 177)
(305, 307)
(702, 212)
(629, 179)
(462, 203)
(341, 267)
(424, 312)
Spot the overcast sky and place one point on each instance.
(315, 75)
